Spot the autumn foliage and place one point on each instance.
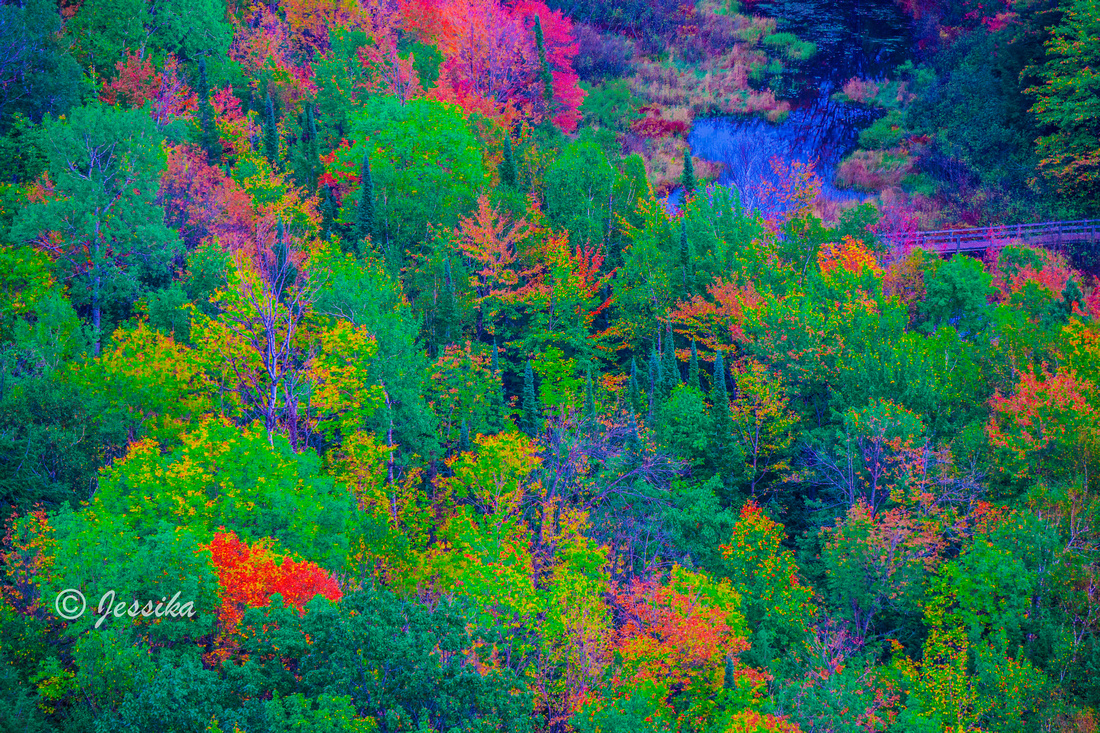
(1049, 418)
(492, 63)
(850, 255)
(250, 574)
(138, 83)
(373, 307)
(679, 644)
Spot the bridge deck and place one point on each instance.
(1053, 234)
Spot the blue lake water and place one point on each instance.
(821, 131)
(854, 38)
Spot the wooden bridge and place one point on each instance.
(1051, 234)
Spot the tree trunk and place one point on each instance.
(97, 327)
(97, 289)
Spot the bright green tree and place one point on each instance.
(271, 134)
(211, 481)
(958, 295)
(508, 165)
(1067, 103)
(684, 427)
(103, 225)
(531, 418)
(687, 178)
(323, 713)
(579, 191)
(426, 167)
(363, 292)
(364, 220)
(776, 603)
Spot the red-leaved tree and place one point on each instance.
(250, 574)
(139, 82)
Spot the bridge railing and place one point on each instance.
(1050, 232)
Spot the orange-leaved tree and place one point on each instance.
(489, 239)
(849, 254)
(1050, 426)
(28, 551)
(139, 82)
(677, 647)
(718, 322)
(200, 200)
(155, 380)
(493, 64)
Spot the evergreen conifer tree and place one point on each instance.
(532, 418)
(687, 178)
(718, 390)
(1071, 296)
(283, 273)
(498, 408)
(634, 391)
(656, 379)
(671, 363)
(209, 139)
(544, 69)
(693, 367)
(508, 165)
(364, 219)
(589, 400)
(328, 212)
(685, 257)
(464, 436)
(632, 441)
(312, 149)
(448, 306)
(720, 404)
(271, 134)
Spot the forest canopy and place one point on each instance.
(406, 365)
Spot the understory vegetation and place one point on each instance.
(357, 375)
